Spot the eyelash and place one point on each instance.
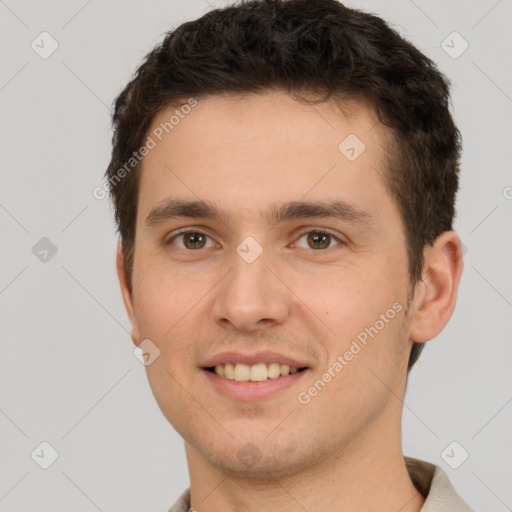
(317, 231)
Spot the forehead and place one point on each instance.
(251, 150)
(271, 118)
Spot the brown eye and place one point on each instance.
(317, 240)
(194, 240)
(191, 240)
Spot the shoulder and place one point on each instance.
(182, 504)
(433, 483)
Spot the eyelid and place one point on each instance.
(169, 239)
(338, 239)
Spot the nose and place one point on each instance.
(251, 298)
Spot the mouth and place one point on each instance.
(249, 377)
(258, 372)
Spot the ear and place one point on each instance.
(126, 291)
(435, 295)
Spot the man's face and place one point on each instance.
(257, 292)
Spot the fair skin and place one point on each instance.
(301, 301)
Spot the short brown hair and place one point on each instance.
(305, 48)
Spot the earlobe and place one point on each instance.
(127, 294)
(436, 294)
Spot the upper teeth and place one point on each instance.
(256, 372)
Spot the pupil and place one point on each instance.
(194, 240)
(319, 240)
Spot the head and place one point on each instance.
(246, 114)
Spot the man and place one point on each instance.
(284, 177)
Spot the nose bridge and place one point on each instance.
(251, 296)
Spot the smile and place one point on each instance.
(254, 373)
(253, 376)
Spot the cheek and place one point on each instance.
(162, 298)
(172, 391)
(350, 300)
(365, 309)
(164, 309)
(365, 361)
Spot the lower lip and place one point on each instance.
(248, 390)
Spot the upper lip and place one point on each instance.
(252, 359)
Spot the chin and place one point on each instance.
(260, 458)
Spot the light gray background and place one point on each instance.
(68, 374)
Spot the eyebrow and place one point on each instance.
(172, 209)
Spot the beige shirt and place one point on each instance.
(430, 480)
